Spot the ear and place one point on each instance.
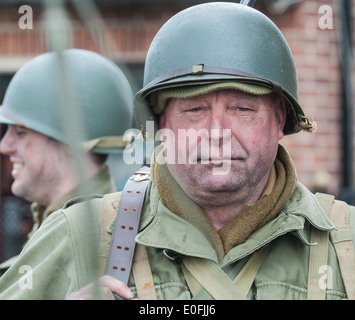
(162, 120)
(281, 116)
(162, 123)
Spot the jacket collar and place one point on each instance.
(101, 183)
(161, 228)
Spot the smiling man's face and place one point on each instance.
(37, 161)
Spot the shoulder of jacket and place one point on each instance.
(108, 210)
(80, 199)
(112, 199)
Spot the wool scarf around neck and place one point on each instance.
(281, 184)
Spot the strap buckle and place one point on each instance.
(172, 255)
(141, 175)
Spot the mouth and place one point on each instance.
(217, 157)
(218, 160)
(16, 168)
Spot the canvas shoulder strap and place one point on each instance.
(339, 213)
(206, 280)
(107, 214)
(318, 254)
(120, 213)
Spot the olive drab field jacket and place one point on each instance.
(60, 254)
(100, 183)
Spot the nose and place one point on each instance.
(218, 120)
(7, 143)
(220, 131)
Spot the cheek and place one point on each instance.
(28, 151)
(42, 157)
(260, 135)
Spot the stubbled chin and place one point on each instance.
(17, 187)
(213, 178)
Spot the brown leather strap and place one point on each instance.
(126, 226)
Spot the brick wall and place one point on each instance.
(316, 51)
(128, 30)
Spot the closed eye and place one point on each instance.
(20, 131)
(195, 109)
(242, 109)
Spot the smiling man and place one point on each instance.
(43, 161)
(224, 72)
(42, 153)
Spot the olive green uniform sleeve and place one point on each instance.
(56, 260)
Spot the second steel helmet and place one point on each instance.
(221, 42)
(96, 88)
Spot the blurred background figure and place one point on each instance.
(63, 120)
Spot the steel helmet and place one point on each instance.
(98, 90)
(216, 42)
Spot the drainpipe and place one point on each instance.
(347, 192)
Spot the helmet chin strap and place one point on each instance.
(105, 142)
